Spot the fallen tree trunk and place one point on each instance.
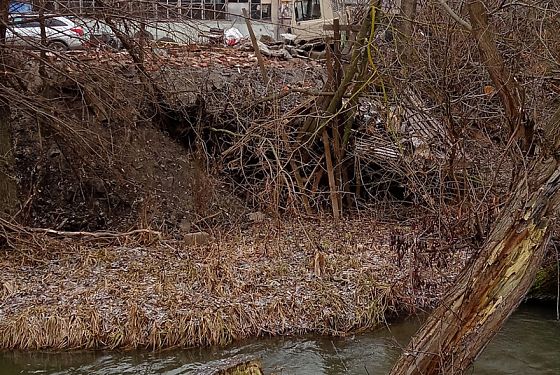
(490, 289)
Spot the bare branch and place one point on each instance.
(454, 15)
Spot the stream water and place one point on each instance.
(528, 344)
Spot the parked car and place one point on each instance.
(24, 30)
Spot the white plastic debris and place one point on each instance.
(232, 36)
(289, 37)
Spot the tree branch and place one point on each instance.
(511, 94)
(454, 15)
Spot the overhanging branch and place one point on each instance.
(454, 15)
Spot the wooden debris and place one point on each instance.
(197, 238)
(237, 365)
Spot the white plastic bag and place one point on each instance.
(232, 36)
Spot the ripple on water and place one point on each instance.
(528, 344)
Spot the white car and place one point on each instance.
(24, 30)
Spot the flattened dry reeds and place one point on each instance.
(115, 293)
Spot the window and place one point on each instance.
(49, 6)
(307, 10)
(209, 10)
(261, 10)
(191, 9)
(23, 23)
(53, 22)
(88, 5)
(203, 9)
(220, 9)
(161, 9)
(256, 9)
(26, 22)
(140, 9)
(167, 9)
(285, 11)
(266, 11)
(66, 6)
(70, 6)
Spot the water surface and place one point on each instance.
(528, 344)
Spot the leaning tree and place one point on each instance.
(500, 274)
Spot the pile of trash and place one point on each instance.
(286, 49)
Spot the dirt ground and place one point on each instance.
(101, 162)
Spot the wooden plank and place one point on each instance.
(330, 172)
(256, 46)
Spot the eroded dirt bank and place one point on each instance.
(96, 149)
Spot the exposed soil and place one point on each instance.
(104, 164)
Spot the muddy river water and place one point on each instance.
(528, 344)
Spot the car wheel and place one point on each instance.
(114, 43)
(58, 46)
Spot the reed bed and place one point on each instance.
(153, 293)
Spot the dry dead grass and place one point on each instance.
(153, 293)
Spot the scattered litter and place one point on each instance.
(267, 51)
(232, 36)
(290, 38)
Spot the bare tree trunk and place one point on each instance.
(490, 289)
(408, 13)
(511, 94)
(8, 192)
